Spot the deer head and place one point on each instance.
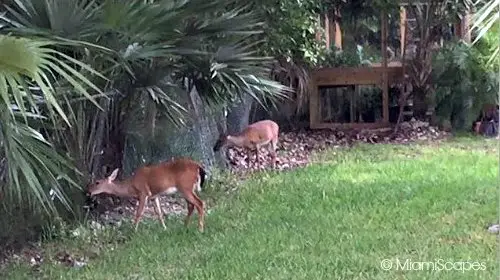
(222, 141)
(106, 185)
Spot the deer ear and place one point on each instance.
(113, 175)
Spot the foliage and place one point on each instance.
(290, 36)
(340, 58)
(361, 20)
(282, 226)
(294, 27)
(486, 22)
(488, 46)
(150, 51)
(359, 9)
(30, 96)
(291, 29)
(348, 57)
(430, 20)
(462, 84)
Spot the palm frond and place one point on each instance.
(486, 19)
(24, 61)
(28, 84)
(64, 19)
(34, 167)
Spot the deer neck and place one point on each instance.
(122, 188)
(236, 140)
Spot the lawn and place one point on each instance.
(336, 219)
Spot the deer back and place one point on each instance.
(262, 131)
(160, 178)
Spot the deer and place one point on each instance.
(181, 175)
(253, 137)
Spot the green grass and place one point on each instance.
(337, 219)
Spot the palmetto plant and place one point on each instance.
(27, 86)
(147, 50)
(463, 84)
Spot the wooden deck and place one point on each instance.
(345, 76)
(368, 75)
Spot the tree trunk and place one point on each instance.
(239, 114)
(194, 140)
(420, 105)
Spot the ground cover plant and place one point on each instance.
(337, 218)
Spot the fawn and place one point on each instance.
(149, 182)
(253, 137)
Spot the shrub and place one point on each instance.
(462, 84)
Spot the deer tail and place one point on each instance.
(203, 174)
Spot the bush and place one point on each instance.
(462, 84)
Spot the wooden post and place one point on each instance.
(402, 27)
(465, 27)
(338, 31)
(318, 32)
(385, 82)
(457, 26)
(354, 97)
(327, 30)
(313, 104)
(328, 103)
(331, 27)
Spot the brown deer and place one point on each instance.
(149, 182)
(253, 137)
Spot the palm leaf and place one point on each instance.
(35, 61)
(32, 162)
(33, 165)
(485, 19)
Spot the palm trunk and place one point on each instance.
(239, 115)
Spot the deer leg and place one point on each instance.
(257, 160)
(249, 156)
(272, 149)
(140, 210)
(159, 212)
(190, 207)
(201, 212)
(190, 196)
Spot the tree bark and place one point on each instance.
(239, 114)
(420, 105)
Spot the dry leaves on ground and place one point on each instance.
(295, 148)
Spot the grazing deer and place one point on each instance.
(253, 137)
(149, 182)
